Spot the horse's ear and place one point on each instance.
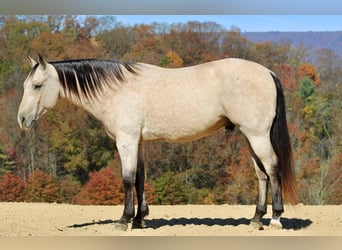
(32, 61)
(41, 61)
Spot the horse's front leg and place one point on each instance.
(127, 146)
(143, 210)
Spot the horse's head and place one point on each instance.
(41, 92)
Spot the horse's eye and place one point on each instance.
(37, 86)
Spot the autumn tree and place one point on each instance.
(329, 69)
(41, 187)
(18, 34)
(68, 190)
(171, 60)
(12, 188)
(56, 46)
(52, 45)
(235, 45)
(270, 55)
(145, 46)
(103, 188)
(309, 71)
(333, 180)
(194, 42)
(116, 42)
(286, 75)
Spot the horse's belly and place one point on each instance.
(187, 132)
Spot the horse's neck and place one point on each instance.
(87, 105)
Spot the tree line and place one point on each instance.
(67, 157)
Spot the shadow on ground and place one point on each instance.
(293, 223)
(88, 224)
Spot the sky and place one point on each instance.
(247, 22)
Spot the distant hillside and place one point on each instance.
(311, 40)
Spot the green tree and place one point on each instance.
(306, 89)
(169, 190)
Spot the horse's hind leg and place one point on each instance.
(267, 170)
(261, 207)
(138, 221)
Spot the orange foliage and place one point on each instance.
(12, 188)
(308, 70)
(103, 188)
(59, 47)
(41, 187)
(286, 77)
(174, 60)
(51, 44)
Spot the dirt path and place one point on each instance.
(41, 219)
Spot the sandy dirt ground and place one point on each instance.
(41, 219)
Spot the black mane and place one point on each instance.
(92, 75)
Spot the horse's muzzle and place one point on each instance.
(26, 122)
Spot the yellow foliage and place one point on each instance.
(308, 112)
(175, 61)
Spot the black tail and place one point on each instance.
(280, 140)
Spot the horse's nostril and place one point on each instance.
(21, 120)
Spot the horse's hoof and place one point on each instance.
(121, 226)
(257, 225)
(276, 224)
(138, 225)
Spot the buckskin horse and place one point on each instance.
(138, 102)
